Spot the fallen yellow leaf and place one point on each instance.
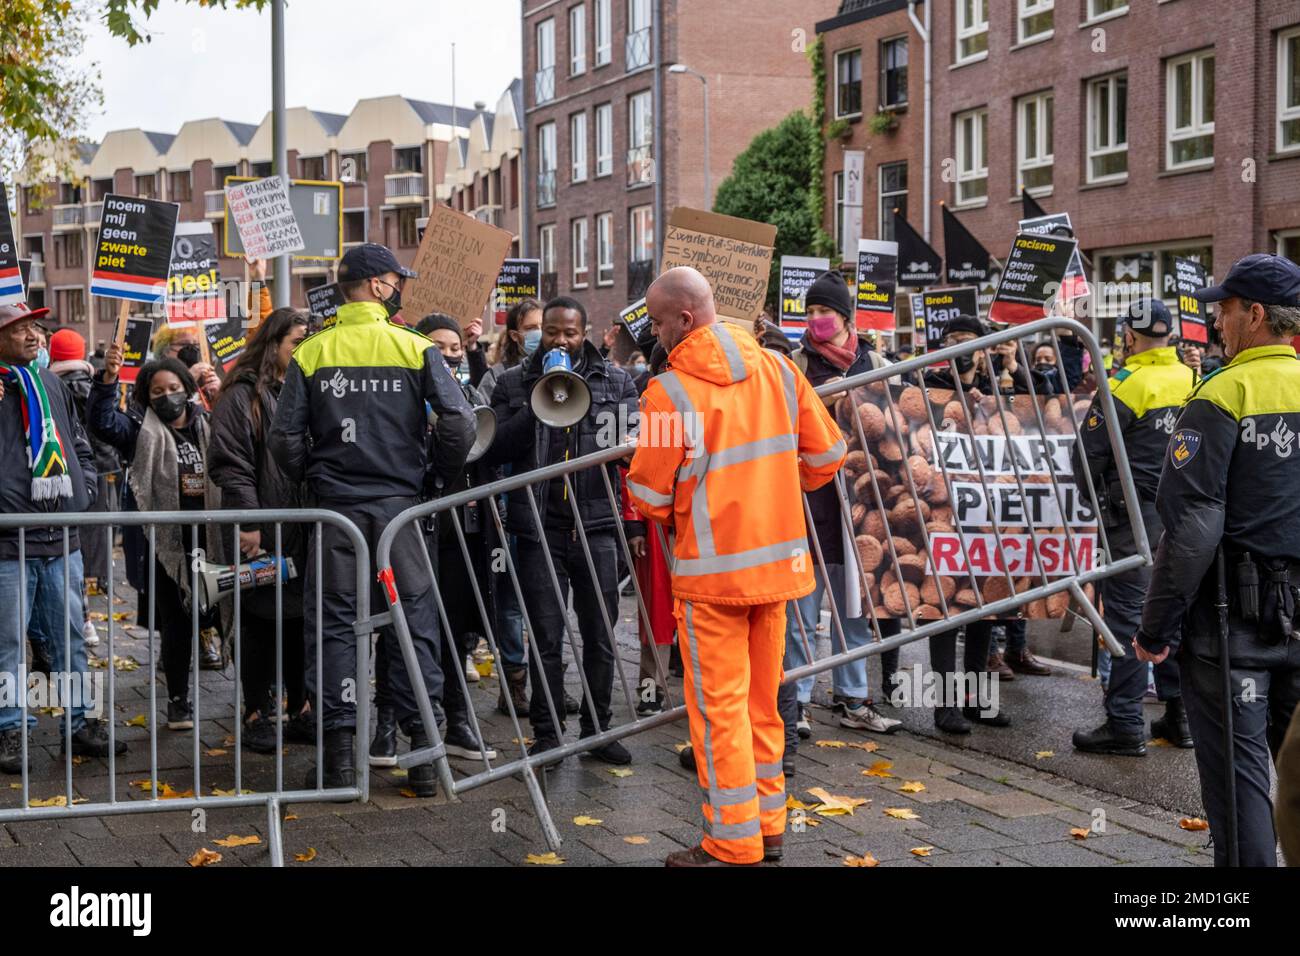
(290, 816)
(1160, 742)
(78, 760)
(218, 792)
(636, 840)
(169, 794)
(399, 772)
(834, 744)
(409, 793)
(878, 769)
(680, 747)
(139, 720)
(794, 803)
(1193, 823)
(834, 805)
(544, 859)
(912, 786)
(306, 857)
(98, 616)
(234, 841)
(620, 771)
(15, 786)
(217, 752)
(1079, 833)
(123, 615)
(585, 821)
(60, 801)
(528, 741)
(811, 822)
(865, 860)
(870, 746)
(1044, 754)
(229, 741)
(901, 813)
(920, 850)
(205, 857)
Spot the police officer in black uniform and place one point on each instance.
(1149, 393)
(1230, 481)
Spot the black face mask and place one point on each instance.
(393, 304)
(188, 355)
(964, 363)
(170, 407)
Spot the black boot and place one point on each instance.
(1173, 726)
(516, 685)
(423, 779)
(1104, 740)
(461, 741)
(340, 766)
(383, 746)
(950, 721)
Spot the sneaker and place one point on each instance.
(259, 735)
(89, 633)
(383, 746)
(92, 741)
(460, 741)
(864, 716)
(541, 745)
(612, 752)
(950, 721)
(471, 672)
(210, 650)
(11, 751)
(804, 724)
(180, 715)
(655, 705)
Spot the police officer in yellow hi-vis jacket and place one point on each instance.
(1149, 393)
(1230, 482)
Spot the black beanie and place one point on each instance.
(965, 323)
(438, 320)
(830, 289)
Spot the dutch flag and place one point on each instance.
(11, 286)
(113, 285)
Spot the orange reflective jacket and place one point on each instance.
(729, 435)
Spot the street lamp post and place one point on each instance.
(680, 68)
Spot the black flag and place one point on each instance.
(968, 261)
(1031, 208)
(918, 264)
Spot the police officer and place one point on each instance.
(1149, 393)
(1230, 482)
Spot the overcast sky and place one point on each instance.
(205, 63)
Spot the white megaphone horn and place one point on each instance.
(217, 581)
(561, 397)
(485, 430)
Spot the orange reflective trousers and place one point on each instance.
(732, 657)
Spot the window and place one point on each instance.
(578, 146)
(1288, 90)
(221, 173)
(893, 195)
(972, 156)
(1034, 143)
(641, 234)
(99, 188)
(1288, 244)
(838, 213)
(972, 29)
(514, 183)
(578, 252)
(70, 305)
(71, 192)
(69, 250)
(640, 138)
(1108, 128)
(354, 225)
(353, 167)
(848, 83)
(407, 234)
(260, 170)
(178, 186)
(577, 39)
(546, 248)
(311, 167)
(604, 139)
(146, 186)
(893, 73)
(544, 78)
(546, 164)
(1125, 274)
(1189, 110)
(605, 249)
(637, 49)
(1106, 8)
(604, 32)
(1034, 20)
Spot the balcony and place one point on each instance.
(544, 85)
(640, 166)
(68, 216)
(93, 211)
(36, 279)
(637, 49)
(546, 189)
(214, 204)
(402, 189)
(488, 214)
(639, 276)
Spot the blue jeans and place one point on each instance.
(847, 680)
(508, 626)
(45, 612)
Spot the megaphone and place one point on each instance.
(485, 430)
(561, 397)
(218, 581)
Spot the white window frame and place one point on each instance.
(1027, 9)
(974, 173)
(605, 249)
(605, 142)
(1198, 127)
(547, 160)
(578, 147)
(640, 224)
(1111, 85)
(882, 195)
(1042, 158)
(578, 39)
(1281, 236)
(544, 38)
(640, 106)
(837, 184)
(840, 55)
(546, 247)
(578, 231)
(1286, 114)
(1094, 16)
(964, 31)
(604, 33)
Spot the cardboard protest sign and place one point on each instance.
(264, 218)
(797, 276)
(1032, 278)
(941, 305)
(918, 264)
(519, 279)
(877, 282)
(457, 264)
(734, 255)
(325, 300)
(226, 341)
(1075, 282)
(133, 249)
(135, 347)
(12, 281)
(636, 320)
(1189, 276)
(194, 286)
(983, 478)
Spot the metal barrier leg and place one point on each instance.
(274, 831)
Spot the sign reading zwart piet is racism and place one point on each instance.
(133, 249)
(735, 255)
(11, 277)
(877, 282)
(1189, 277)
(457, 267)
(797, 276)
(519, 279)
(263, 214)
(1032, 278)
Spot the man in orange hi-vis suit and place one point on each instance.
(730, 434)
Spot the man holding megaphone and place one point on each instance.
(557, 406)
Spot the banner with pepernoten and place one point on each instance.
(12, 283)
(264, 218)
(877, 283)
(519, 279)
(735, 255)
(1189, 277)
(133, 249)
(457, 267)
(797, 276)
(1032, 279)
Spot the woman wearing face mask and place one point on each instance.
(168, 474)
(249, 478)
(522, 336)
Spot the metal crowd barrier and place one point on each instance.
(1019, 594)
(205, 708)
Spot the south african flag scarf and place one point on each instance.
(45, 449)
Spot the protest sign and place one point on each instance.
(519, 279)
(734, 255)
(941, 305)
(916, 304)
(135, 347)
(324, 300)
(1189, 277)
(12, 281)
(194, 285)
(1032, 279)
(263, 217)
(797, 276)
(317, 208)
(133, 249)
(226, 341)
(457, 265)
(1075, 282)
(918, 264)
(877, 282)
(636, 319)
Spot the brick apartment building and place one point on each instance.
(1164, 127)
(391, 153)
(615, 141)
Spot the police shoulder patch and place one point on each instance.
(1094, 419)
(1184, 446)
